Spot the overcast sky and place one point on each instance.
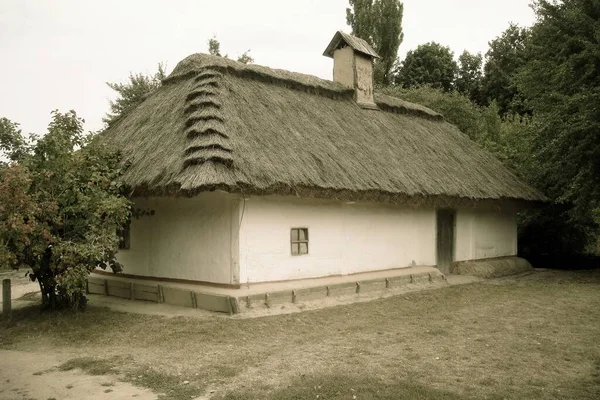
(58, 54)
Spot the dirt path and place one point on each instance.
(26, 375)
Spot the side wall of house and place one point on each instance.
(485, 234)
(343, 238)
(186, 238)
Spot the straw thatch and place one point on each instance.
(220, 124)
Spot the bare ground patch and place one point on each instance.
(32, 375)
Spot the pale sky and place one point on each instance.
(58, 54)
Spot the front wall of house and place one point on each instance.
(186, 238)
(343, 238)
(485, 234)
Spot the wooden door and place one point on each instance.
(445, 240)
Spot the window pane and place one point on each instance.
(294, 235)
(303, 234)
(303, 248)
(295, 249)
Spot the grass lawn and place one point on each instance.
(534, 337)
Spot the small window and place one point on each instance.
(299, 241)
(124, 236)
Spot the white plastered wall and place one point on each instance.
(343, 238)
(485, 234)
(186, 238)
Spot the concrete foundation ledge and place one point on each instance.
(350, 289)
(177, 296)
(265, 295)
(492, 267)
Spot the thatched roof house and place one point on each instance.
(277, 139)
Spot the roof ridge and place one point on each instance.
(397, 105)
(201, 65)
(195, 64)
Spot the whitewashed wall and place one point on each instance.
(187, 238)
(343, 238)
(485, 234)
(199, 238)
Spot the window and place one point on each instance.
(124, 236)
(299, 241)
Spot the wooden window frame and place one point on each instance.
(299, 241)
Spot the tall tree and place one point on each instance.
(361, 19)
(60, 208)
(379, 22)
(430, 64)
(132, 93)
(505, 57)
(468, 77)
(562, 83)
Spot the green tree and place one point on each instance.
(361, 18)
(245, 58)
(455, 107)
(430, 64)
(214, 49)
(11, 141)
(132, 93)
(505, 57)
(60, 208)
(379, 22)
(469, 73)
(508, 138)
(562, 84)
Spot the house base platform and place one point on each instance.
(255, 295)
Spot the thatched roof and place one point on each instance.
(219, 124)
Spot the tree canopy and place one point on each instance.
(430, 64)
(60, 207)
(561, 81)
(132, 93)
(379, 22)
(505, 57)
(139, 86)
(469, 74)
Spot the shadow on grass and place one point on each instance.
(346, 387)
(61, 326)
(31, 296)
(567, 262)
(92, 366)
